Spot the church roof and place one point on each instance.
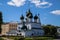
(24, 26)
(35, 17)
(22, 17)
(29, 14)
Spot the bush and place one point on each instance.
(21, 38)
(15, 38)
(1, 38)
(42, 38)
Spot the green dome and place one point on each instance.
(22, 17)
(29, 14)
(24, 27)
(35, 17)
(0, 12)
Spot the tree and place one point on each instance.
(46, 29)
(1, 21)
(50, 30)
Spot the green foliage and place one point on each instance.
(50, 30)
(1, 38)
(1, 21)
(15, 38)
(21, 38)
(43, 38)
(28, 38)
(39, 38)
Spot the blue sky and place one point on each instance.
(49, 10)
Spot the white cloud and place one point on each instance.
(57, 12)
(38, 3)
(16, 3)
(41, 4)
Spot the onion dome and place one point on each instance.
(22, 17)
(35, 17)
(0, 12)
(29, 14)
(24, 26)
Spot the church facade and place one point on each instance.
(29, 26)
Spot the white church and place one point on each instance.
(29, 26)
